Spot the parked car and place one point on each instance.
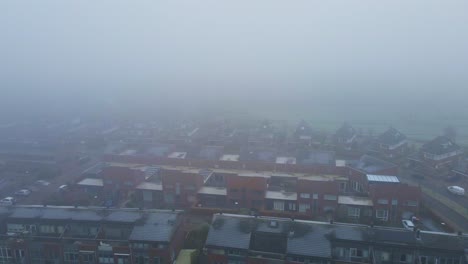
(407, 224)
(63, 188)
(7, 201)
(42, 182)
(456, 190)
(23, 192)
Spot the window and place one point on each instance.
(315, 196)
(385, 256)
(412, 203)
(5, 255)
(157, 260)
(189, 187)
(106, 260)
(140, 245)
(356, 186)
(381, 214)
(292, 207)
(394, 202)
(278, 205)
(142, 260)
(303, 207)
(342, 186)
(87, 257)
(47, 229)
(354, 212)
(234, 252)
(406, 258)
(330, 197)
(358, 253)
(71, 257)
(315, 204)
(305, 195)
(382, 201)
(128, 183)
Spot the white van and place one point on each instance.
(456, 190)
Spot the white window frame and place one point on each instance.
(330, 197)
(382, 201)
(305, 195)
(278, 205)
(354, 212)
(303, 207)
(384, 216)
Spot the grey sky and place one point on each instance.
(88, 54)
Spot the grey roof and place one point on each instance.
(391, 137)
(211, 152)
(260, 154)
(157, 227)
(320, 157)
(345, 132)
(124, 216)
(382, 178)
(34, 212)
(91, 182)
(440, 145)
(152, 186)
(313, 239)
(314, 243)
(225, 231)
(369, 164)
(159, 150)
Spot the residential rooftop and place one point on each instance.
(314, 239)
(146, 225)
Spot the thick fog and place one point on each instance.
(360, 60)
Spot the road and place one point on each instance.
(70, 173)
(438, 187)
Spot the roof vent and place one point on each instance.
(273, 224)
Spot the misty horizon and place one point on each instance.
(314, 60)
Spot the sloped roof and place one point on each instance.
(313, 239)
(345, 131)
(225, 232)
(156, 227)
(440, 145)
(369, 164)
(391, 137)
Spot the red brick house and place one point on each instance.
(392, 143)
(246, 190)
(119, 181)
(317, 195)
(394, 200)
(180, 187)
(358, 171)
(441, 152)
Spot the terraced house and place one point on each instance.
(69, 235)
(247, 239)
